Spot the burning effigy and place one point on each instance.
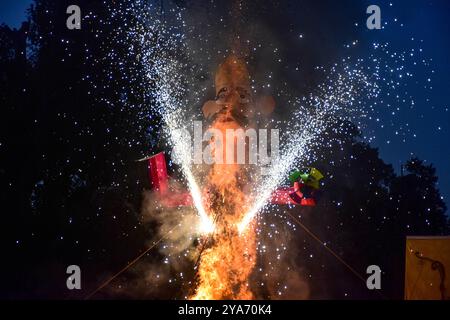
(221, 191)
(227, 253)
(228, 260)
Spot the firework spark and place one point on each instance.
(311, 118)
(354, 89)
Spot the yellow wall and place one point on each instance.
(421, 281)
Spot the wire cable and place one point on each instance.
(104, 284)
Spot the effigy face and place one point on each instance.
(234, 99)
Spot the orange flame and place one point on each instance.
(227, 263)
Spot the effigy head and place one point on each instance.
(234, 99)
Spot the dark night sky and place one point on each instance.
(427, 20)
(422, 20)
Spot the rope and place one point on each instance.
(104, 284)
(327, 248)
